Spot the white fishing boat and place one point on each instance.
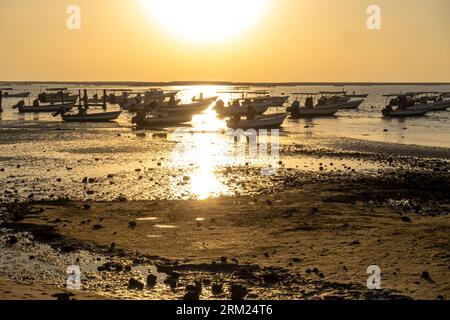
(270, 121)
(309, 110)
(238, 109)
(91, 117)
(403, 105)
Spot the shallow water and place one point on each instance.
(42, 158)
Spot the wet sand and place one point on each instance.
(310, 235)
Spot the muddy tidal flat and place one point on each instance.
(145, 219)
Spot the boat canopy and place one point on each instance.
(333, 92)
(56, 89)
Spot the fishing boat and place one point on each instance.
(276, 101)
(7, 95)
(241, 109)
(91, 117)
(356, 95)
(310, 110)
(160, 121)
(340, 97)
(352, 104)
(187, 109)
(43, 108)
(405, 106)
(57, 95)
(270, 121)
(440, 105)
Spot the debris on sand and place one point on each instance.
(132, 224)
(193, 291)
(238, 292)
(426, 276)
(151, 281)
(63, 296)
(217, 289)
(136, 284)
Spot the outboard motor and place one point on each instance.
(294, 106)
(309, 103)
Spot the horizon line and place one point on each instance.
(229, 83)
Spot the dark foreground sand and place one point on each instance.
(312, 241)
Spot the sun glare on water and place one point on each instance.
(206, 21)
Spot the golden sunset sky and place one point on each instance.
(229, 40)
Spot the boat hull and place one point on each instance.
(352, 105)
(163, 122)
(315, 112)
(440, 105)
(415, 111)
(49, 108)
(16, 95)
(93, 117)
(259, 107)
(186, 109)
(57, 98)
(261, 122)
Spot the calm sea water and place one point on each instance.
(43, 158)
(365, 123)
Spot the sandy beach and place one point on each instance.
(301, 234)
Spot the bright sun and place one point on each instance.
(206, 20)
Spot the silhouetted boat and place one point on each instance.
(352, 104)
(91, 117)
(406, 106)
(187, 109)
(321, 109)
(241, 109)
(6, 95)
(260, 122)
(43, 108)
(160, 121)
(57, 95)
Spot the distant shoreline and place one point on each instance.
(223, 83)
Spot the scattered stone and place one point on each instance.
(132, 224)
(314, 210)
(86, 207)
(426, 276)
(223, 260)
(63, 296)
(136, 284)
(238, 292)
(97, 227)
(216, 289)
(405, 219)
(11, 240)
(151, 281)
